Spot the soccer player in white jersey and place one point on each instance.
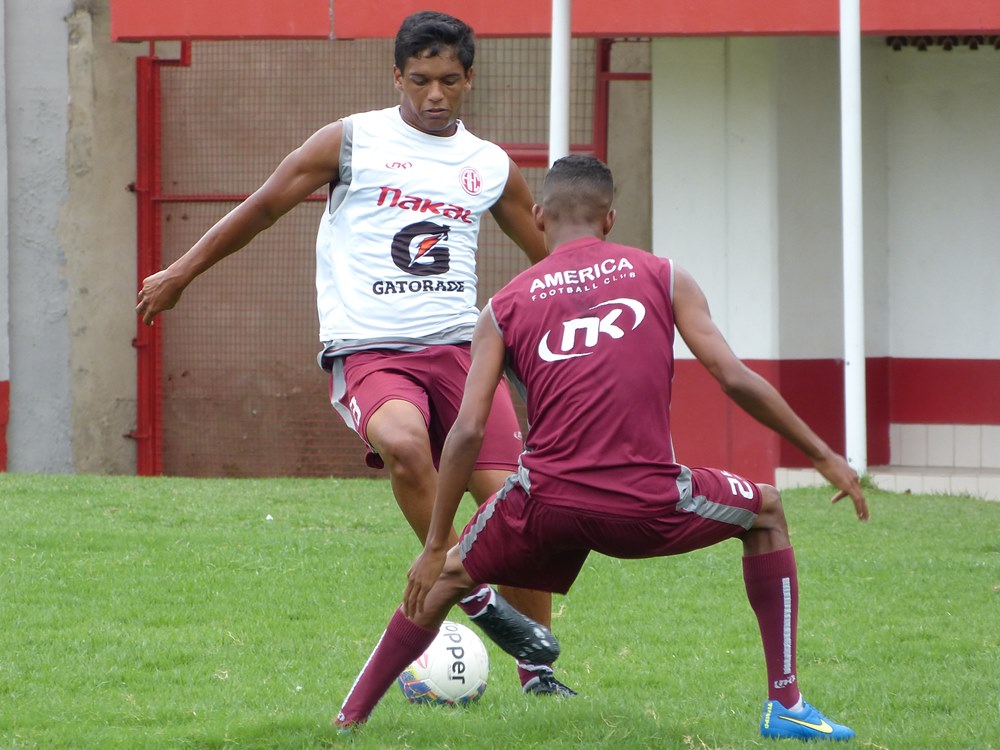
(396, 287)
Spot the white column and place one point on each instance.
(4, 234)
(559, 80)
(855, 409)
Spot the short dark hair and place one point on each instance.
(427, 32)
(578, 185)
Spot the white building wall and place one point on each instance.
(877, 195)
(746, 171)
(714, 175)
(944, 215)
(808, 193)
(97, 225)
(746, 180)
(67, 268)
(751, 217)
(811, 299)
(944, 223)
(38, 436)
(689, 164)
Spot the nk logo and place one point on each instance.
(587, 332)
(420, 249)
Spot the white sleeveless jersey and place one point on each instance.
(396, 249)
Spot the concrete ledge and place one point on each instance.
(927, 480)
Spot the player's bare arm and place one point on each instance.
(305, 170)
(512, 213)
(458, 459)
(753, 393)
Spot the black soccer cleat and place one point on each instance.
(517, 634)
(547, 684)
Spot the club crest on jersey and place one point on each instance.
(594, 328)
(472, 183)
(420, 249)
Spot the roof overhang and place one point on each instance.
(137, 20)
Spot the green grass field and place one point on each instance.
(169, 613)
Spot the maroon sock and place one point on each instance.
(773, 591)
(401, 643)
(527, 672)
(476, 601)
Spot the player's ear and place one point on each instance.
(397, 79)
(468, 79)
(609, 221)
(536, 214)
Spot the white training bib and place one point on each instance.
(396, 249)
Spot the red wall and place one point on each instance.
(945, 391)
(710, 430)
(220, 19)
(324, 19)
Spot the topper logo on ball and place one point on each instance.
(451, 633)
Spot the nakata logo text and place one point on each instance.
(394, 198)
(588, 332)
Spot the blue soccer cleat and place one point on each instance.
(807, 723)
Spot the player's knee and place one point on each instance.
(454, 577)
(405, 451)
(772, 513)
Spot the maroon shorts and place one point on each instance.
(516, 540)
(433, 380)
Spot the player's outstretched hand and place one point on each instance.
(426, 569)
(840, 474)
(159, 292)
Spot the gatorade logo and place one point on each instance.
(420, 249)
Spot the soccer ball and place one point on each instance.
(452, 671)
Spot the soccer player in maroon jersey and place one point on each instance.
(588, 334)
(396, 284)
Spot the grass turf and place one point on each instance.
(179, 613)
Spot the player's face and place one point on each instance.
(431, 91)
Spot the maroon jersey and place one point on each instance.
(589, 333)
